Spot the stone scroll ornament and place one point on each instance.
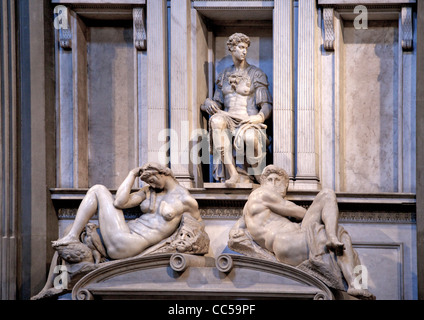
(170, 222)
(275, 229)
(238, 110)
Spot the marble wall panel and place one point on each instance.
(389, 253)
(370, 113)
(112, 126)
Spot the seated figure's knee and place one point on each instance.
(218, 122)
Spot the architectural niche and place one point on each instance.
(376, 9)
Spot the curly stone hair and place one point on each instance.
(274, 169)
(235, 39)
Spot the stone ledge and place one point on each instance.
(227, 204)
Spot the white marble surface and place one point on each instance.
(389, 253)
(283, 108)
(371, 108)
(112, 126)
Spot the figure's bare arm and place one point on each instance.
(238, 229)
(124, 198)
(266, 109)
(277, 204)
(191, 207)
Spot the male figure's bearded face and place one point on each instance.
(184, 241)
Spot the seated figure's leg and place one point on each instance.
(255, 152)
(222, 143)
(324, 209)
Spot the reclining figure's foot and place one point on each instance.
(68, 239)
(362, 294)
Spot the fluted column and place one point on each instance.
(283, 111)
(8, 152)
(157, 80)
(307, 164)
(420, 150)
(181, 95)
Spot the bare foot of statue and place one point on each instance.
(231, 183)
(362, 294)
(335, 245)
(68, 239)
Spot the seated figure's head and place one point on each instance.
(276, 178)
(237, 44)
(235, 39)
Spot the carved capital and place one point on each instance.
(65, 38)
(64, 26)
(140, 38)
(407, 29)
(329, 36)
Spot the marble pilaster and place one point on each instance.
(181, 91)
(72, 110)
(420, 150)
(35, 217)
(8, 152)
(307, 156)
(80, 106)
(157, 79)
(283, 108)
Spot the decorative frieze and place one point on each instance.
(235, 4)
(235, 212)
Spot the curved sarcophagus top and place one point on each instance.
(181, 276)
